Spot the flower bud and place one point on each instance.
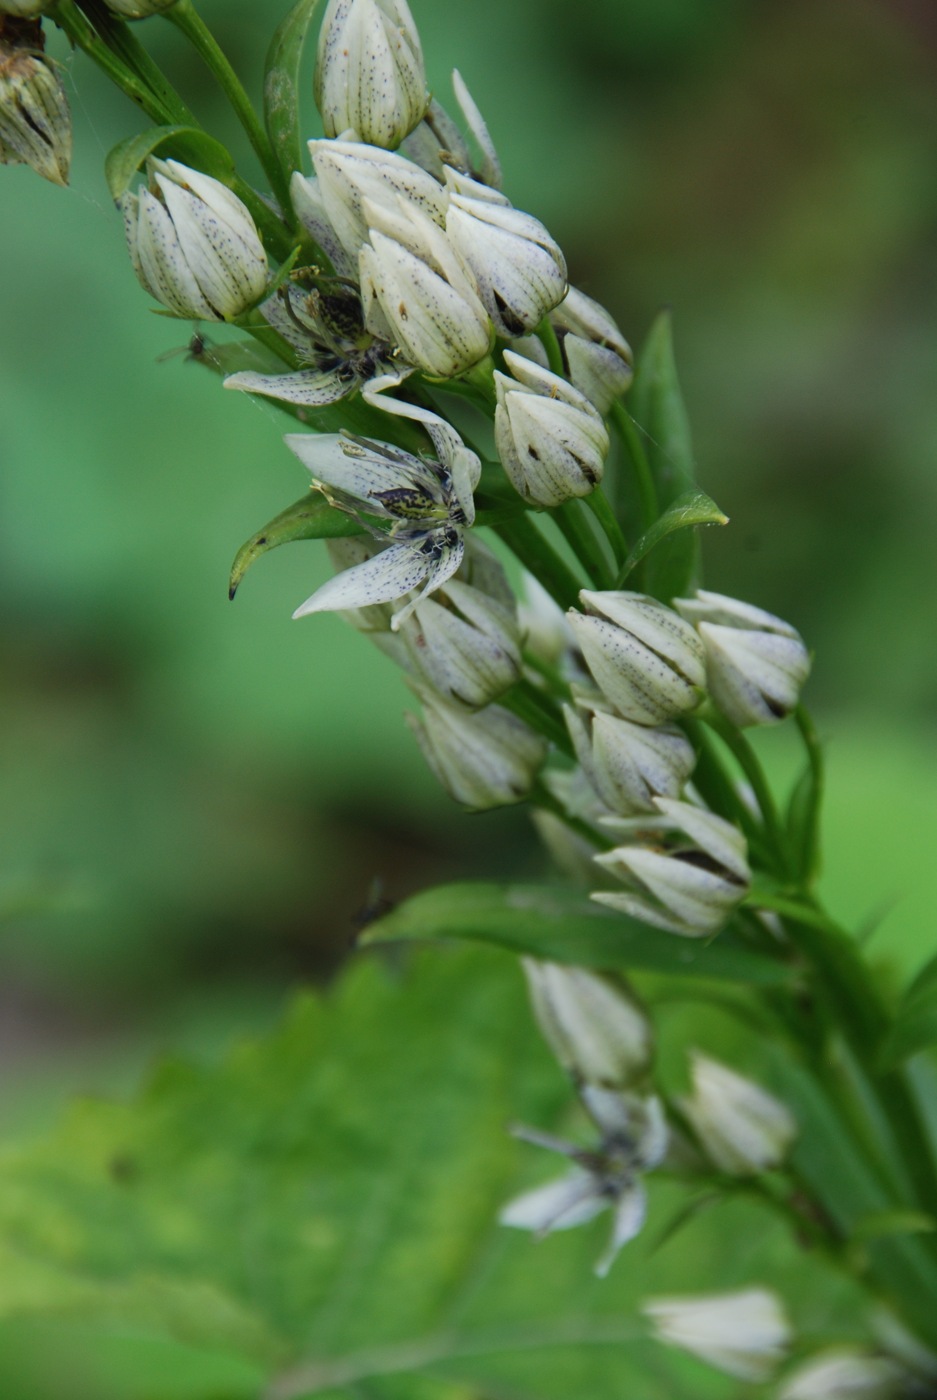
(742, 1129)
(755, 662)
(629, 764)
(193, 244)
(647, 661)
(349, 174)
(598, 358)
(415, 293)
(483, 760)
(551, 440)
(689, 880)
(139, 9)
(847, 1374)
(517, 267)
(370, 77)
(596, 1030)
(467, 649)
(35, 121)
(744, 1334)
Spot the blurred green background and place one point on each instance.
(197, 796)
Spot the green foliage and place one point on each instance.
(562, 925)
(311, 518)
(325, 1200)
(281, 86)
(690, 510)
(187, 144)
(915, 1026)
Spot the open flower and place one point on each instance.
(633, 1140)
(420, 505)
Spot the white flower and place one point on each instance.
(595, 1028)
(464, 644)
(756, 663)
(193, 244)
(744, 1334)
(629, 764)
(421, 506)
(518, 269)
(350, 175)
(846, 1374)
(646, 660)
(598, 359)
(370, 76)
(483, 759)
(35, 121)
(634, 1140)
(743, 1129)
(437, 144)
(686, 875)
(551, 440)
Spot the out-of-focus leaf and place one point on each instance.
(184, 143)
(915, 1026)
(323, 1204)
(281, 85)
(311, 518)
(656, 404)
(882, 1223)
(563, 926)
(692, 509)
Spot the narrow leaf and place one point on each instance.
(688, 511)
(312, 518)
(915, 1026)
(183, 143)
(562, 925)
(879, 1224)
(281, 85)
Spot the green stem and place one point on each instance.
(644, 480)
(811, 842)
(119, 37)
(75, 25)
(548, 339)
(543, 798)
(540, 559)
(550, 674)
(187, 19)
(539, 711)
(581, 539)
(721, 793)
(601, 508)
(747, 760)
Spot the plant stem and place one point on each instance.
(540, 559)
(120, 39)
(737, 744)
(548, 339)
(815, 759)
(543, 798)
(599, 504)
(581, 539)
(644, 480)
(75, 25)
(539, 711)
(187, 19)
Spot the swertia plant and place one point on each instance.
(508, 499)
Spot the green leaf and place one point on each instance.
(881, 1223)
(311, 518)
(656, 404)
(915, 1026)
(561, 925)
(323, 1204)
(183, 143)
(281, 86)
(692, 509)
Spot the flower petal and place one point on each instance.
(386, 577)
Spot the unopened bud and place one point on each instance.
(596, 1030)
(745, 1334)
(370, 77)
(35, 121)
(646, 660)
(484, 759)
(687, 879)
(193, 244)
(743, 1129)
(415, 293)
(756, 664)
(551, 440)
(630, 764)
(350, 175)
(597, 356)
(463, 644)
(517, 267)
(849, 1374)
